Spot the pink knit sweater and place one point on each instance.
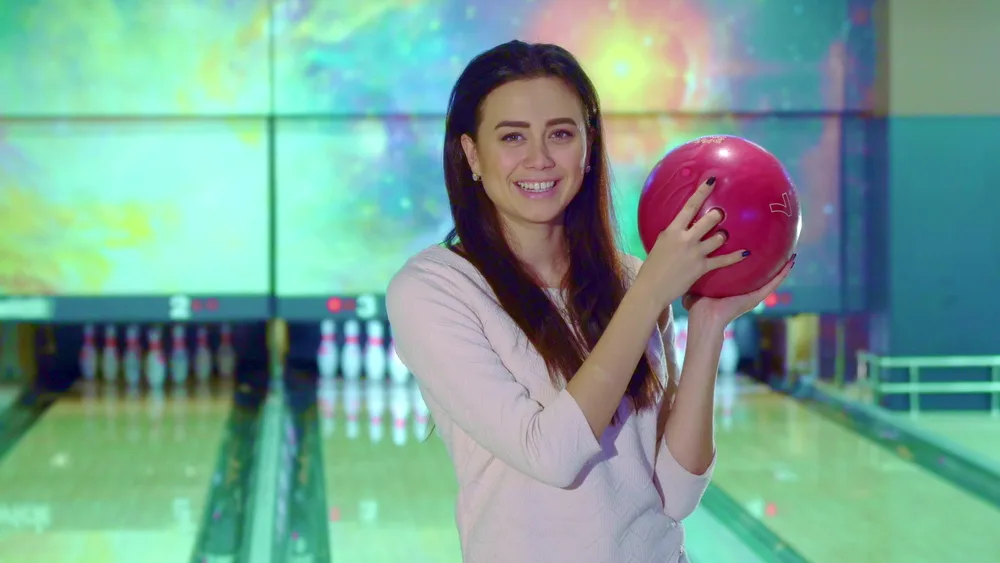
(534, 484)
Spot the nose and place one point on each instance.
(538, 157)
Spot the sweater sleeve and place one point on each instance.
(441, 340)
(682, 490)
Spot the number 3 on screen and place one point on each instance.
(180, 308)
(367, 306)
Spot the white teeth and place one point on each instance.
(536, 186)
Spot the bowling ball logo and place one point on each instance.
(755, 194)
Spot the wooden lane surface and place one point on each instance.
(838, 497)
(385, 481)
(977, 432)
(390, 493)
(112, 477)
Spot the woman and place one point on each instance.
(544, 354)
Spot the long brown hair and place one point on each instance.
(597, 278)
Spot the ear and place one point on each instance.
(471, 154)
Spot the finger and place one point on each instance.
(716, 262)
(714, 242)
(704, 225)
(693, 204)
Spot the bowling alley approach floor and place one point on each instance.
(830, 494)
(977, 432)
(836, 496)
(109, 477)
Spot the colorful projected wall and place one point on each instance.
(124, 208)
(402, 56)
(212, 57)
(135, 137)
(358, 197)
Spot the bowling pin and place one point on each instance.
(156, 364)
(729, 359)
(351, 353)
(326, 356)
(226, 354)
(202, 355)
(109, 355)
(352, 407)
(400, 406)
(133, 355)
(88, 354)
(680, 339)
(397, 370)
(375, 360)
(375, 404)
(421, 414)
(180, 361)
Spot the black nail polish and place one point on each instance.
(746, 253)
(792, 259)
(710, 181)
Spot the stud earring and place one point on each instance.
(475, 177)
(588, 168)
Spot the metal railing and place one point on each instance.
(871, 368)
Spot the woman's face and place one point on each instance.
(531, 150)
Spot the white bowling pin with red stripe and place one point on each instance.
(326, 356)
(110, 361)
(225, 356)
(397, 370)
(375, 360)
(202, 355)
(133, 355)
(156, 363)
(88, 354)
(180, 360)
(351, 355)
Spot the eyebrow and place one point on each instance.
(549, 123)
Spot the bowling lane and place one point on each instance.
(977, 432)
(834, 496)
(385, 479)
(108, 476)
(390, 491)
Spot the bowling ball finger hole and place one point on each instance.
(724, 233)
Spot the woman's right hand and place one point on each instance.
(679, 256)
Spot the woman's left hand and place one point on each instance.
(721, 312)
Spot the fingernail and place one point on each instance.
(792, 259)
(710, 181)
(746, 253)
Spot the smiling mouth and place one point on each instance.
(537, 187)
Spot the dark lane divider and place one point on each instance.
(222, 529)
